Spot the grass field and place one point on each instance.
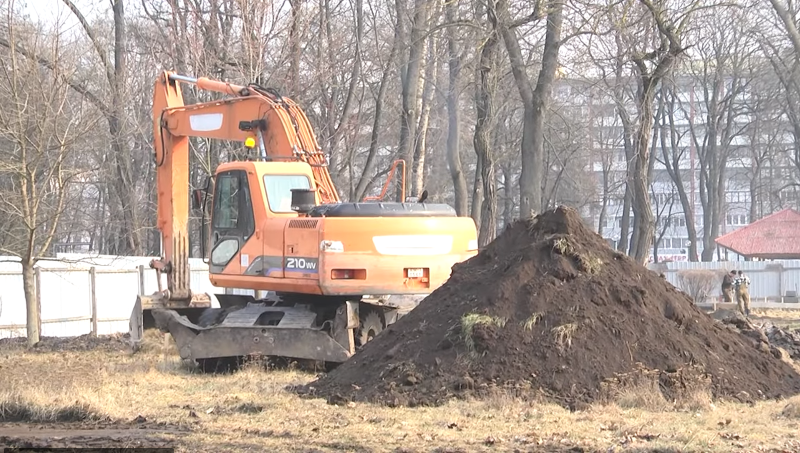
(115, 398)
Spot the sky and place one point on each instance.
(56, 12)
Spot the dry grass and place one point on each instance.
(590, 265)
(531, 321)
(468, 323)
(563, 334)
(251, 411)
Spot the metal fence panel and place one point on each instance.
(770, 280)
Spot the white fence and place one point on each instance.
(770, 281)
(65, 289)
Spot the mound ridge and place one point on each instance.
(549, 309)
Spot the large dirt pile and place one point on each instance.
(548, 309)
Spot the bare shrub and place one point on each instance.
(698, 283)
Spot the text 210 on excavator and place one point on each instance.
(277, 225)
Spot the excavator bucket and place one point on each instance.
(263, 330)
(142, 316)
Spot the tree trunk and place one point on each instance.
(33, 323)
(294, 47)
(643, 214)
(508, 196)
(477, 193)
(625, 222)
(453, 118)
(666, 55)
(606, 192)
(420, 151)
(535, 101)
(673, 155)
(789, 24)
(410, 86)
(483, 124)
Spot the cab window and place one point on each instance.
(227, 202)
(279, 190)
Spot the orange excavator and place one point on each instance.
(331, 269)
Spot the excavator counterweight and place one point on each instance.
(335, 273)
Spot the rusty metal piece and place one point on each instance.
(142, 317)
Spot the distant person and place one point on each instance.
(727, 286)
(742, 284)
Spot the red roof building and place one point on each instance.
(774, 237)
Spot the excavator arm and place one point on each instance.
(272, 124)
(265, 121)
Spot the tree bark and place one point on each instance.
(420, 147)
(508, 196)
(294, 46)
(33, 314)
(410, 85)
(625, 221)
(454, 117)
(483, 124)
(664, 58)
(477, 193)
(672, 162)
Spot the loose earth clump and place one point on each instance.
(549, 310)
(82, 343)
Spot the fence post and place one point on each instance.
(37, 272)
(141, 280)
(93, 286)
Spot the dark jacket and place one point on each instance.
(727, 281)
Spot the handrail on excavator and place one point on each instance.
(389, 180)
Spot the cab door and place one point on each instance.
(232, 223)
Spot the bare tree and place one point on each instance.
(484, 102)
(40, 132)
(410, 76)
(663, 206)
(789, 22)
(721, 77)
(123, 167)
(651, 67)
(453, 114)
(673, 157)
(535, 100)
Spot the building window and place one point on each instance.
(737, 219)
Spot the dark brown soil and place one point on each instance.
(598, 314)
(74, 435)
(80, 343)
